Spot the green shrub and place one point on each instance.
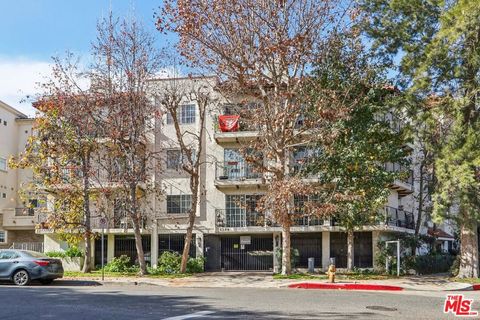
(73, 252)
(455, 266)
(55, 254)
(195, 265)
(120, 264)
(169, 263)
(437, 263)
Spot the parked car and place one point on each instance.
(22, 266)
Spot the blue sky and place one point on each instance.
(32, 31)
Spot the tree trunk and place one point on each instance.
(194, 183)
(350, 253)
(286, 250)
(136, 220)
(468, 249)
(86, 214)
(418, 222)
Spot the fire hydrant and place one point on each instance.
(331, 273)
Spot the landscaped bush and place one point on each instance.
(73, 252)
(433, 263)
(55, 254)
(120, 264)
(169, 263)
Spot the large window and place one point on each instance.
(241, 210)
(3, 164)
(179, 203)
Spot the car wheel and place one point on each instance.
(46, 281)
(21, 278)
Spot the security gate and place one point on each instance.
(338, 248)
(125, 245)
(258, 255)
(363, 250)
(98, 252)
(309, 245)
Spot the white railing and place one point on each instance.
(31, 246)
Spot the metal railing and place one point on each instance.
(399, 218)
(307, 221)
(396, 167)
(238, 218)
(24, 212)
(116, 222)
(31, 246)
(235, 170)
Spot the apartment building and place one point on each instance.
(18, 214)
(229, 231)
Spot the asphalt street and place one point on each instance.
(75, 301)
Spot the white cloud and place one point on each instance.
(19, 78)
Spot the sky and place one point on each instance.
(32, 31)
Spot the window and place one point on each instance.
(3, 164)
(3, 236)
(4, 195)
(188, 114)
(173, 159)
(4, 122)
(179, 203)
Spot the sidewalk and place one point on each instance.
(265, 280)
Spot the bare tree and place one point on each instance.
(263, 51)
(125, 58)
(171, 95)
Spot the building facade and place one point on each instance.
(229, 231)
(19, 214)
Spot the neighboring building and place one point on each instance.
(18, 219)
(228, 231)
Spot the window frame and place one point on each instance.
(5, 168)
(183, 203)
(4, 232)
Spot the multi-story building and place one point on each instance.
(229, 231)
(18, 213)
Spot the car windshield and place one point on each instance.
(34, 254)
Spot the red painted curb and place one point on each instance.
(345, 286)
(476, 287)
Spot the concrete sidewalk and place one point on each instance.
(266, 280)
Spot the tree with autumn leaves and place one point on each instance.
(264, 52)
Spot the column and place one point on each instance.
(199, 244)
(154, 245)
(375, 238)
(276, 246)
(325, 250)
(110, 246)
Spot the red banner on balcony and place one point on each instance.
(229, 123)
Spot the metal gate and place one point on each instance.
(338, 248)
(309, 245)
(125, 245)
(98, 252)
(362, 250)
(212, 252)
(258, 255)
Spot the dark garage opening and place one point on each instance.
(255, 256)
(338, 248)
(309, 245)
(362, 250)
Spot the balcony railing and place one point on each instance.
(239, 218)
(234, 171)
(399, 218)
(396, 167)
(307, 221)
(24, 212)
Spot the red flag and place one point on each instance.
(229, 123)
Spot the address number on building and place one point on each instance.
(245, 240)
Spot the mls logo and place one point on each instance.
(459, 306)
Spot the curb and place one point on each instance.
(345, 286)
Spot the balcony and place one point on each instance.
(404, 185)
(118, 222)
(236, 173)
(242, 218)
(20, 218)
(399, 218)
(232, 128)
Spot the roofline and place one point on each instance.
(183, 78)
(12, 110)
